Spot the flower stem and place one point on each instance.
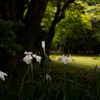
(23, 83)
(64, 95)
(31, 65)
(65, 69)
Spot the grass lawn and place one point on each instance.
(77, 86)
(83, 65)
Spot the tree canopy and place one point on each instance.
(76, 28)
(69, 24)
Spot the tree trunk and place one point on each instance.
(32, 22)
(14, 9)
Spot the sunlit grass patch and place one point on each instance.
(82, 65)
(85, 62)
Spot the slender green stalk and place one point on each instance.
(32, 70)
(65, 69)
(2, 91)
(64, 96)
(23, 82)
(43, 70)
(31, 65)
(18, 72)
(46, 61)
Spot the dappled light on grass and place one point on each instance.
(80, 61)
(58, 82)
(82, 65)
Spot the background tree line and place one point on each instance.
(72, 25)
(79, 32)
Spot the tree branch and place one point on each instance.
(58, 17)
(58, 8)
(64, 8)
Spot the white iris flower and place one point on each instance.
(27, 59)
(60, 59)
(72, 59)
(2, 74)
(65, 58)
(38, 58)
(96, 66)
(48, 77)
(29, 56)
(43, 45)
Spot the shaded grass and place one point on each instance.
(73, 88)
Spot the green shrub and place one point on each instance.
(8, 46)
